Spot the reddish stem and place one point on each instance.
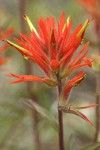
(60, 118)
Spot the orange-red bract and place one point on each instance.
(4, 35)
(53, 46)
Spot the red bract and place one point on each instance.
(24, 78)
(4, 46)
(75, 110)
(93, 7)
(6, 34)
(69, 85)
(53, 46)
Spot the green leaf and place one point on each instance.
(92, 146)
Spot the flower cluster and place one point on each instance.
(53, 48)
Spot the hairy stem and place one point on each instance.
(60, 118)
(29, 70)
(97, 132)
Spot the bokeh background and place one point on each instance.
(16, 119)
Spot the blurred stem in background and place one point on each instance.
(29, 70)
(60, 118)
(93, 7)
(97, 132)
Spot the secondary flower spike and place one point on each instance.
(4, 46)
(52, 47)
(92, 7)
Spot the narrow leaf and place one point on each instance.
(42, 111)
(69, 109)
(90, 106)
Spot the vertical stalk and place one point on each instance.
(28, 67)
(60, 118)
(97, 132)
(35, 116)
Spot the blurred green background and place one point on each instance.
(16, 120)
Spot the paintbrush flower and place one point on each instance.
(52, 47)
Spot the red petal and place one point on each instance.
(43, 28)
(78, 55)
(77, 66)
(53, 52)
(73, 82)
(69, 109)
(25, 78)
(61, 23)
(90, 106)
(55, 65)
(7, 34)
(34, 47)
(87, 61)
(82, 116)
